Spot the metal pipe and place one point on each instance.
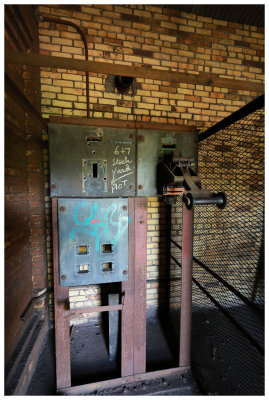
(186, 286)
(83, 37)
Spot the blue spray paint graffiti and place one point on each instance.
(99, 223)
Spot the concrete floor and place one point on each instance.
(90, 363)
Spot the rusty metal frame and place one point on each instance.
(61, 295)
(133, 348)
(87, 388)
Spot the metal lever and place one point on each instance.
(197, 196)
(204, 197)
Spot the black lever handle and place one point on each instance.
(204, 197)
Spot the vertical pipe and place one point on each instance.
(83, 38)
(186, 286)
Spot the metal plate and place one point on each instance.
(152, 146)
(93, 241)
(92, 161)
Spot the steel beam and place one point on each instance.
(186, 286)
(127, 317)
(140, 285)
(61, 295)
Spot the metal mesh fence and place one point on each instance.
(228, 268)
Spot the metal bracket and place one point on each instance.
(183, 181)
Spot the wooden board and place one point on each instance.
(202, 78)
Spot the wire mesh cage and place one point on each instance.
(228, 263)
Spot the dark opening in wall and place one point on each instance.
(123, 83)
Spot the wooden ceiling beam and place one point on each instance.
(201, 78)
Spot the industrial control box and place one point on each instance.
(92, 161)
(93, 241)
(93, 171)
(110, 162)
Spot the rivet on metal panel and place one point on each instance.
(63, 277)
(124, 272)
(124, 208)
(140, 187)
(53, 186)
(141, 138)
(62, 209)
(131, 187)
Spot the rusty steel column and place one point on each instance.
(61, 295)
(186, 286)
(140, 288)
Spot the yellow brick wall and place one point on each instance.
(151, 36)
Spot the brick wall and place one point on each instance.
(25, 253)
(151, 36)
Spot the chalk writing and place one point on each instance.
(122, 150)
(99, 223)
(121, 168)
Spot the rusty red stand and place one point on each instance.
(133, 307)
(186, 286)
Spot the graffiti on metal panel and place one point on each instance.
(100, 223)
(121, 168)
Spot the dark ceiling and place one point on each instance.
(249, 14)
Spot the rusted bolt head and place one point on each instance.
(63, 277)
(62, 209)
(53, 186)
(140, 187)
(141, 138)
(131, 187)
(124, 208)
(124, 272)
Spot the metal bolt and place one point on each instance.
(62, 209)
(124, 272)
(124, 208)
(63, 277)
(140, 187)
(53, 186)
(141, 138)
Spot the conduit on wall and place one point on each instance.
(83, 37)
